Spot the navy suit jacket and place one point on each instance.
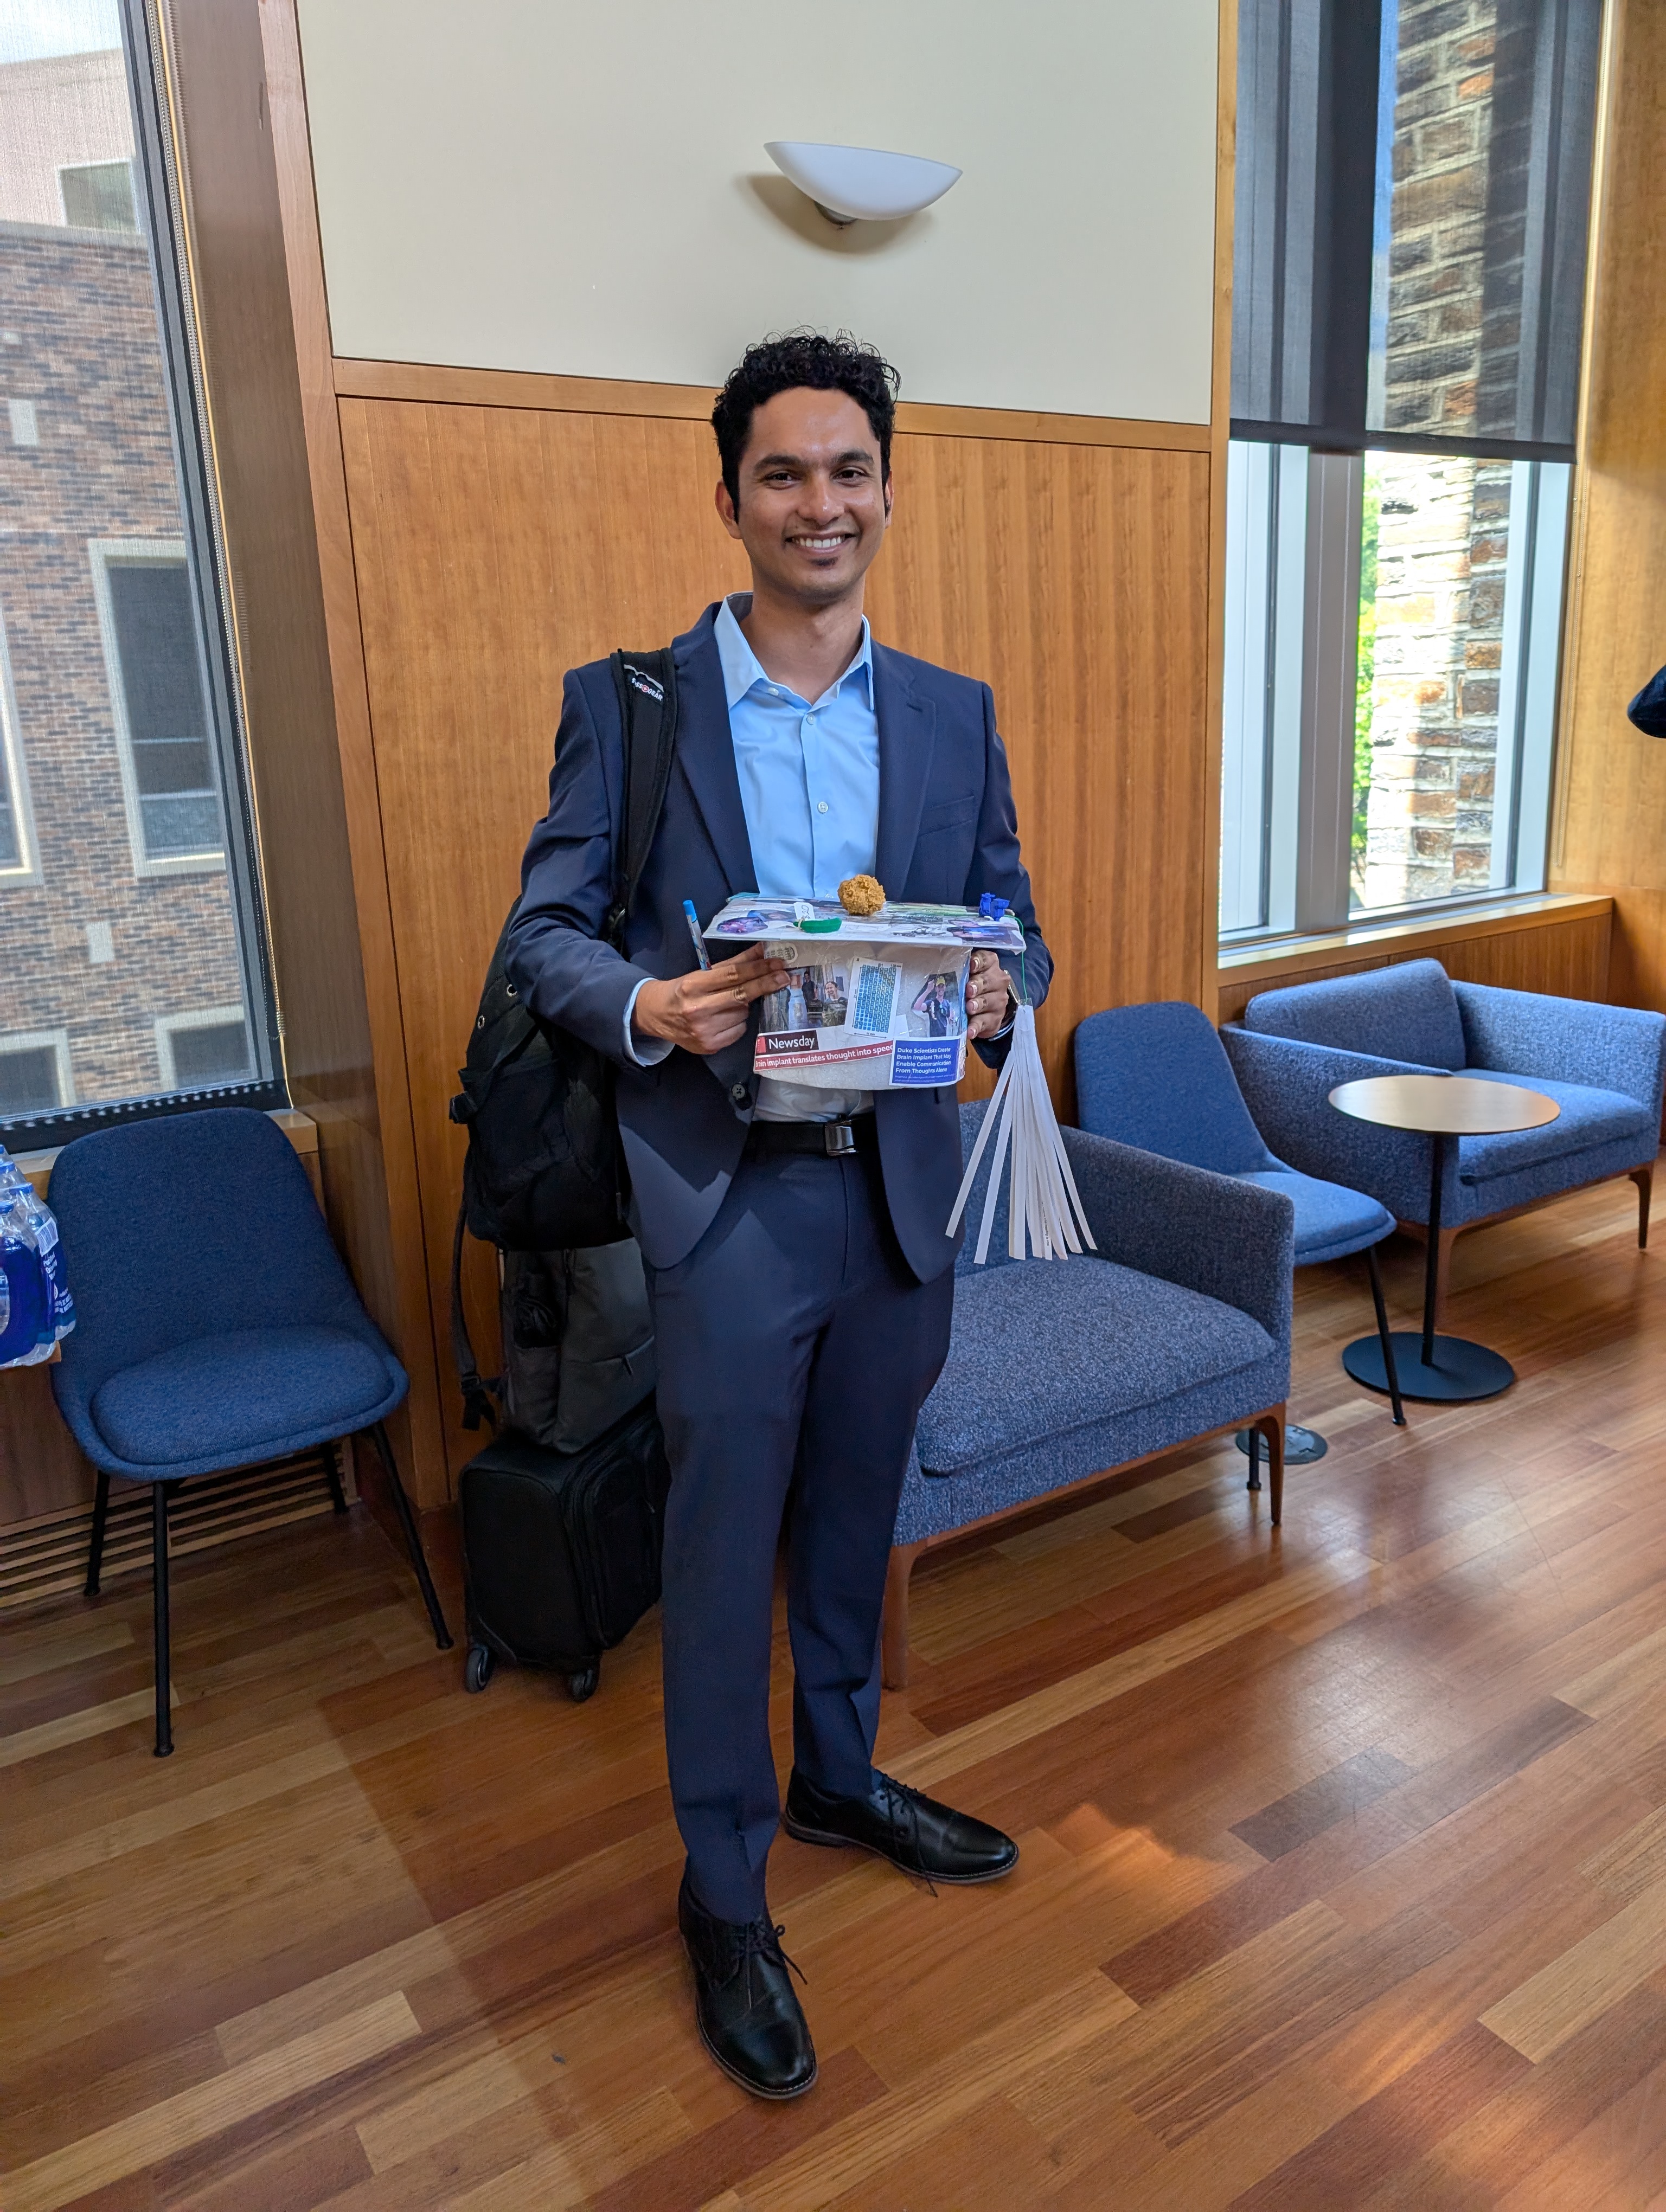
(1648, 709)
(947, 833)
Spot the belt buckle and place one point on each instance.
(840, 1140)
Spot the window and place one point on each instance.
(34, 1072)
(159, 702)
(1393, 620)
(16, 831)
(203, 1051)
(98, 196)
(135, 946)
(1411, 197)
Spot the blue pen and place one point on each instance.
(700, 951)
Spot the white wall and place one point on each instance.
(580, 186)
(64, 109)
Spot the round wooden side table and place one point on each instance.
(1448, 1369)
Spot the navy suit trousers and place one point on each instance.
(796, 1347)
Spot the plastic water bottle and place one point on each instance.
(27, 1334)
(38, 1296)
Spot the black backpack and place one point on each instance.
(544, 1171)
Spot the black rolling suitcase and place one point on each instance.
(561, 1550)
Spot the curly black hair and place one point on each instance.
(792, 360)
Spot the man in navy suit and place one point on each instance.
(798, 1262)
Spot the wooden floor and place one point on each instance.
(1343, 1884)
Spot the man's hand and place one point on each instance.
(706, 1010)
(988, 993)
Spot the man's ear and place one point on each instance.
(888, 495)
(726, 509)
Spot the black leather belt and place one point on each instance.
(833, 1140)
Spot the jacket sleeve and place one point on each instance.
(555, 957)
(1648, 710)
(998, 867)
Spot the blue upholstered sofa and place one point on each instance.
(1604, 1066)
(1062, 1370)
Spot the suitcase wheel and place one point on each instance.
(477, 1668)
(583, 1684)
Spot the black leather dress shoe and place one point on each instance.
(749, 2017)
(912, 1830)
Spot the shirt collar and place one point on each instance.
(743, 670)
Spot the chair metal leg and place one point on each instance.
(1385, 1336)
(100, 1515)
(1254, 1482)
(333, 1476)
(159, 1617)
(442, 1636)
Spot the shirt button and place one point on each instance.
(821, 806)
(737, 1092)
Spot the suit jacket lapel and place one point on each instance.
(907, 727)
(705, 751)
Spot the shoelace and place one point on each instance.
(903, 1811)
(759, 1940)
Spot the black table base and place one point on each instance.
(1459, 1370)
(1301, 1446)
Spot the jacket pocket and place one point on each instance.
(948, 814)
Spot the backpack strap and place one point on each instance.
(647, 685)
(476, 1389)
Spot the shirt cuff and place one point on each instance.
(653, 1050)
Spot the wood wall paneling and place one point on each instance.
(1611, 824)
(1208, 886)
(350, 1073)
(497, 547)
(692, 403)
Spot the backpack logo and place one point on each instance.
(646, 684)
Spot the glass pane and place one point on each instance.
(129, 915)
(1434, 554)
(1482, 195)
(213, 1054)
(161, 686)
(100, 196)
(28, 1079)
(11, 852)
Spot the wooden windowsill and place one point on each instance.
(1288, 955)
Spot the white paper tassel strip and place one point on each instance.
(1044, 1211)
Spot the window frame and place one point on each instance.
(14, 771)
(58, 1041)
(1303, 541)
(167, 1026)
(161, 201)
(103, 553)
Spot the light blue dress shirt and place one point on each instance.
(809, 790)
(809, 775)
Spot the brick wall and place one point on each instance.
(1461, 137)
(78, 337)
(1443, 537)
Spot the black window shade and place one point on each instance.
(1412, 197)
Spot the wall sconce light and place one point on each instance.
(858, 183)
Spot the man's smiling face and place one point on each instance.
(814, 505)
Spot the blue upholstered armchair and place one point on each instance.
(1060, 1370)
(1158, 1076)
(216, 1326)
(1604, 1066)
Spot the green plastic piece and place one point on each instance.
(822, 926)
